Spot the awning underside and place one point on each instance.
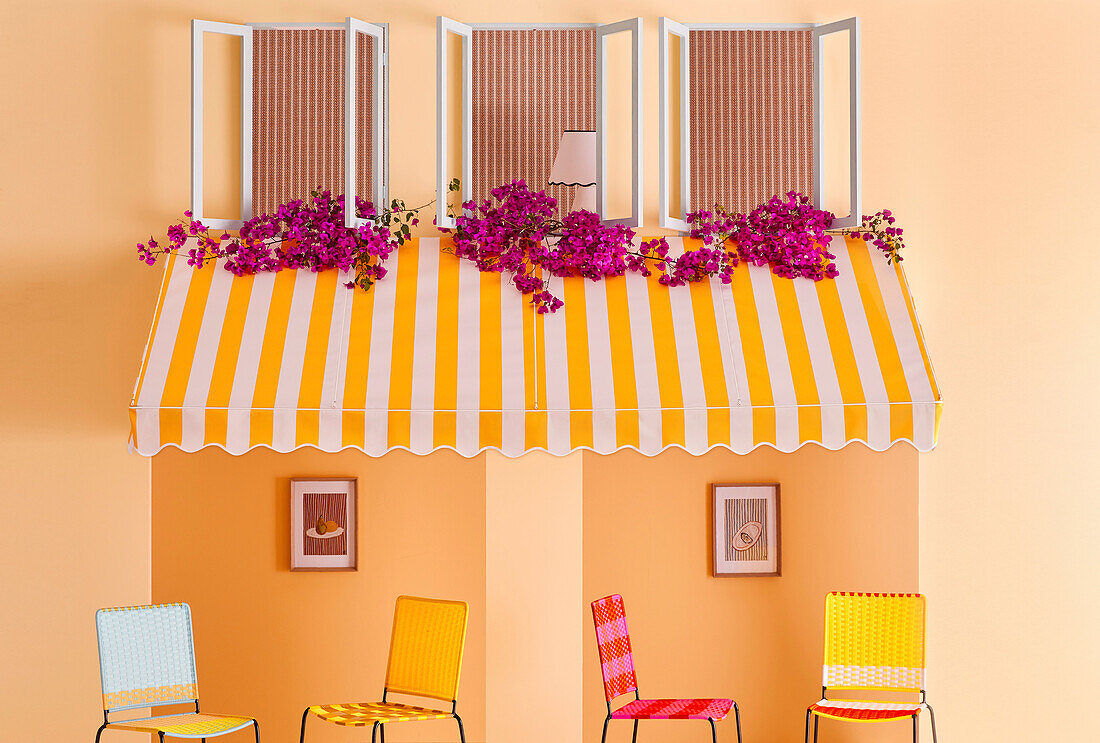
(439, 355)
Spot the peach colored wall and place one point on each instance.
(79, 171)
(270, 641)
(977, 130)
(533, 590)
(849, 522)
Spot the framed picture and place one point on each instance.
(746, 529)
(324, 521)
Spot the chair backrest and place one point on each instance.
(429, 636)
(613, 641)
(874, 641)
(146, 656)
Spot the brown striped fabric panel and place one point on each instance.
(751, 116)
(529, 86)
(330, 507)
(298, 114)
(741, 511)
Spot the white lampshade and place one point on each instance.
(575, 162)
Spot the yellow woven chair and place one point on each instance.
(426, 647)
(147, 659)
(873, 641)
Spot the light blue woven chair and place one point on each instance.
(147, 659)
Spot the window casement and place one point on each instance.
(314, 114)
(522, 87)
(751, 115)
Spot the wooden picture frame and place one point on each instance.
(745, 530)
(324, 524)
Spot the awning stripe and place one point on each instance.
(439, 355)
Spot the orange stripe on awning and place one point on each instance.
(494, 396)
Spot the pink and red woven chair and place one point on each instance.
(617, 666)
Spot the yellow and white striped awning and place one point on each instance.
(439, 355)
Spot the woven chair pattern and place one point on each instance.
(860, 711)
(613, 641)
(874, 641)
(146, 656)
(368, 713)
(674, 709)
(426, 647)
(190, 725)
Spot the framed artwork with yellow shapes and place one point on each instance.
(324, 518)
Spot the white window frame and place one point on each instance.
(667, 27)
(445, 25)
(353, 27)
(855, 153)
(633, 26)
(198, 29)
(380, 120)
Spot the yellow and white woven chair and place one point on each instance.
(873, 641)
(147, 659)
(426, 647)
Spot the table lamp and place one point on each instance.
(575, 165)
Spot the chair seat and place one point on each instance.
(190, 725)
(845, 709)
(368, 713)
(674, 709)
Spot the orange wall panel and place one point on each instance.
(848, 522)
(270, 642)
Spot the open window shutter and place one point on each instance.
(851, 26)
(444, 26)
(198, 28)
(633, 26)
(353, 27)
(666, 28)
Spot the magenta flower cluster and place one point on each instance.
(516, 232)
(307, 233)
(786, 233)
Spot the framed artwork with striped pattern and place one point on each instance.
(324, 521)
(746, 529)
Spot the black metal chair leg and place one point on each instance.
(161, 734)
(603, 738)
(816, 718)
(932, 717)
(461, 731)
(382, 732)
(100, 732)
(256, 730)
(634, 738)
(302, 737)
(916, 731)
(374, 733)
(713, 730)
(737, 718)
(808, 714)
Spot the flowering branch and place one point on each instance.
(515, 231)
(301, 234)
(875, 228)
(788, 234)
